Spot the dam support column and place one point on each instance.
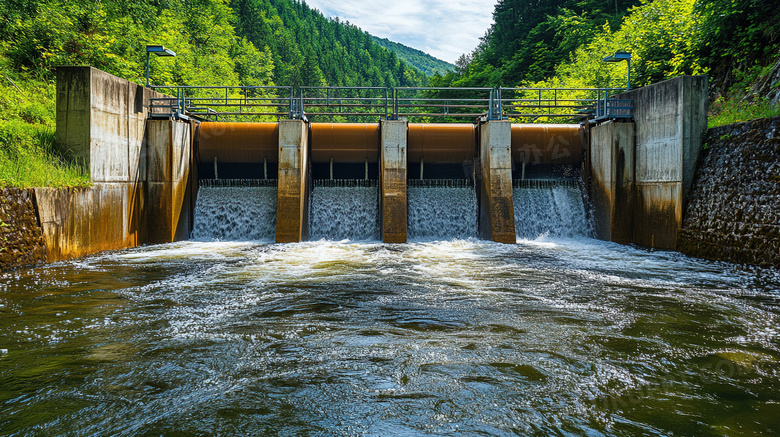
(612, 188)
(392, 179)
(168, 212)
(496, 211)
(291, 199)
(670, 120)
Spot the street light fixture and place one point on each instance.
(159, 51)
(621, 56)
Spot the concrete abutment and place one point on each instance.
(292, 194)
(496, 211)
(640, 173)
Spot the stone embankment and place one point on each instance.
(21, 239)
(733, 213)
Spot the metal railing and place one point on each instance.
(583, 103)
(334, 102)
(224, 102)
(442, 102)
(264, 103)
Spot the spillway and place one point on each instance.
(442, 209)
(344, 210)
(235, 210)
(433, 158)
(549, 208)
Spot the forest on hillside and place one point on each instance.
(419, 59)
(532, 43)
(217, 42)
(562, 42)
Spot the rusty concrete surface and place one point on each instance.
(169, 180)
(670, 120)
(612, 181)
(293, 181)
(658, 214)
(497, 219)
(392, 174)
(82, 221)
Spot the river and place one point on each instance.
(552, 336)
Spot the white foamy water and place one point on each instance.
(235, 214)
(344, 213)
(441, 213)
(557, 211)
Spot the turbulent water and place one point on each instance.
(344, 212)
(235, 213)
(441, 212)
(551, 209)
(552, 337)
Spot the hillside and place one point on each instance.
(552, 43)
(217, 42)
(310, 49)
(416, 58)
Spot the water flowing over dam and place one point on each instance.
(549, 208)
(344, 210)
(235, 211)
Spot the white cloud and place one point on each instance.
(443, 28)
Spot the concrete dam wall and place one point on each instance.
(639, 176)
(297, 154)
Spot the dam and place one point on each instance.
(348, 171)
(385, 277)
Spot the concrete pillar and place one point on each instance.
(168, 181)
(612, 181)
(293, 180)
(671, 119)
(496, 213)
(392, 177)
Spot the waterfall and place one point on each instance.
(237, 210)
(344, 210)
(441, 209)
(549, 207)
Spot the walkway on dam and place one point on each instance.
(422, 104)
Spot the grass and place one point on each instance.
(29, 153)
(723, 112)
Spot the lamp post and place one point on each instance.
(159, 51)
(621, 56)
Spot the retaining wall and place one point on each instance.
(21, 240)
(734, 208)
(140, 169)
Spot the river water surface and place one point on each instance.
(461, 337)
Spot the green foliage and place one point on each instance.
(418, 59)
(733, 110)
(657, 34)
(217, 42)
(736, 37)
(312, 50)
(528, 39)
(561, 43)
(29, 154)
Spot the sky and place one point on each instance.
(444, 29)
